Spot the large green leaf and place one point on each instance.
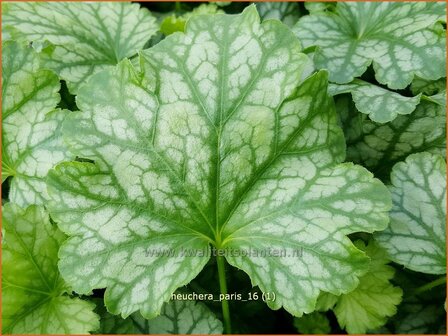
(286, 12)
(400, 38)
(31, 140)
(224, 146)
(33, 299)
(87, 36)
(416, 237)
(177, 317)
(374, 300)
(380, 146)
(380, 104)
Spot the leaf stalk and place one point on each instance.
(223, 288)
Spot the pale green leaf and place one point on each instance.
(319, 6)
(286, 12)
(227, 146)
(379, 146)
(174, 23)
(314, 324)
(401, 39)
(31, 140)
(87, 36)
(374, 300)
(326, 301)
(416, 237)
(380, 104)
(33, 299)
(177, 317)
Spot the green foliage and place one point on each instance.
(31, 138)
(400, 39)
(374, 300)
(34, 296)
(150, 190)
(380, 146)
(417, 232)
(293, 177)
(380, 104)
(287, 12)
(86, 37)
(177, 317)
(174, 23)
(314, 323)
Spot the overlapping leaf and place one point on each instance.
(177, 317)
(87, 36)
(174, 23)
(319, 6)
(380, 104)
(32, 291)
(286, 12)
(422, 310)
(31, 139)
(400, 38)
(225, 146)
(428, 87)
(379, 147)
(374, 300)
(416, 237)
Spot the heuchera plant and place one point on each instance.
(149, 156)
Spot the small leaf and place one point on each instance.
(379, 146)
(173, 23)
(319, 6)
(286, 12)
(314, 324)
(326, 301)
(374, 300)
(226, 146)
(31, 139)
(88, 36)
(32, 292)
(400, 38)
(380, 104)
(416, 237)
(177, 317)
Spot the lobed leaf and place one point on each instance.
(374, 300)
(32, 290)
(227, 145)
(177, 317)
(380, 104)
(31, 138)
(401, 39)
(87, 36)
(378, 147)
(416, 237)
